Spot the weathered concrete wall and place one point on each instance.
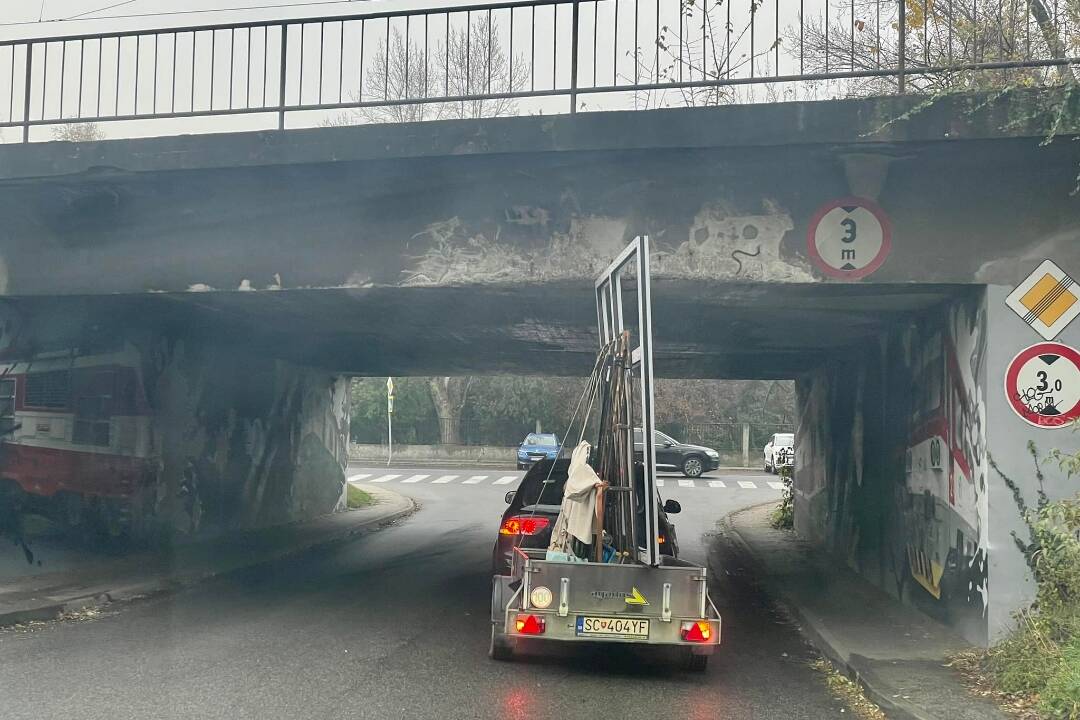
(891, 462)
(462, 247)
(726, 193)
(1008, 436)
(241, 441)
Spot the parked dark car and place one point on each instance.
(533, 508)
(535, 447)
(690, 460)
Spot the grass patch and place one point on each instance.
(850, 693)
(357, 498)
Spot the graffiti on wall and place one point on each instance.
(945, 503)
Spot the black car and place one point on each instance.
(534, 507)
(690, 460)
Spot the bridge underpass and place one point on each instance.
(248, 274)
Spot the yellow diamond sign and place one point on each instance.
(1048, 300)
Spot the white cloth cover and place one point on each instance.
(579, 502)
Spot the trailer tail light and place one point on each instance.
(530, 624)
(698, 631)
(523, 525)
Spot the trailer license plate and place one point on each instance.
(588, 626)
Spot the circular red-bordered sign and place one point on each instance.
(1042, 385)
(849, 238)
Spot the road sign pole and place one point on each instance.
(389, 420)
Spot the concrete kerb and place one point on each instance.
(398, 506)
(851, 665)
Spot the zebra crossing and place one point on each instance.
(498, 479)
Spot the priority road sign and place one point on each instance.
(1048, 300)
(1042, 385)
(849, 238)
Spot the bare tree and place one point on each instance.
(705, 46)
(937, 35)
(470, 62)
(479, 66)
(78, 132)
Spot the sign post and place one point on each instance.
(389, 419)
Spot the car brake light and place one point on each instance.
(519, 525)
(661, 539)
(530, 624)
(697, 631)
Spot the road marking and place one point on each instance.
(386, 478)
(444, 479)
(747, 485)
(659, 482)
(717, 484)
(358, 478)
(415, 478)
(505, 480)
(776, 485)
(686, 483)
(475, 480)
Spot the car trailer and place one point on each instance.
(624, 591)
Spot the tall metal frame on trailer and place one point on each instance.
(632, 595)
(611, 320)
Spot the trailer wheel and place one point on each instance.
(696, 663)
(499, 648)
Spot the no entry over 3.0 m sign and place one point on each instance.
(849, 238)
(1042, 385)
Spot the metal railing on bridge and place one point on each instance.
(558, 55)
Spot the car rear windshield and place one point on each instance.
(784, 440)
(541, 439)
(543, 485)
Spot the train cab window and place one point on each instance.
(94, 396)
(48, 390)
(7, 406)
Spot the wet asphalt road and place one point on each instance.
(395, 625)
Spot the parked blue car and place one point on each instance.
(535, 447)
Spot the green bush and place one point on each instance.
(1042, 657)
(1025, 662)
(1061, 696)
(783, 515)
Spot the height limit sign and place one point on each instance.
(1042, 385)
(849, 238)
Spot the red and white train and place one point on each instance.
(76, 438)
